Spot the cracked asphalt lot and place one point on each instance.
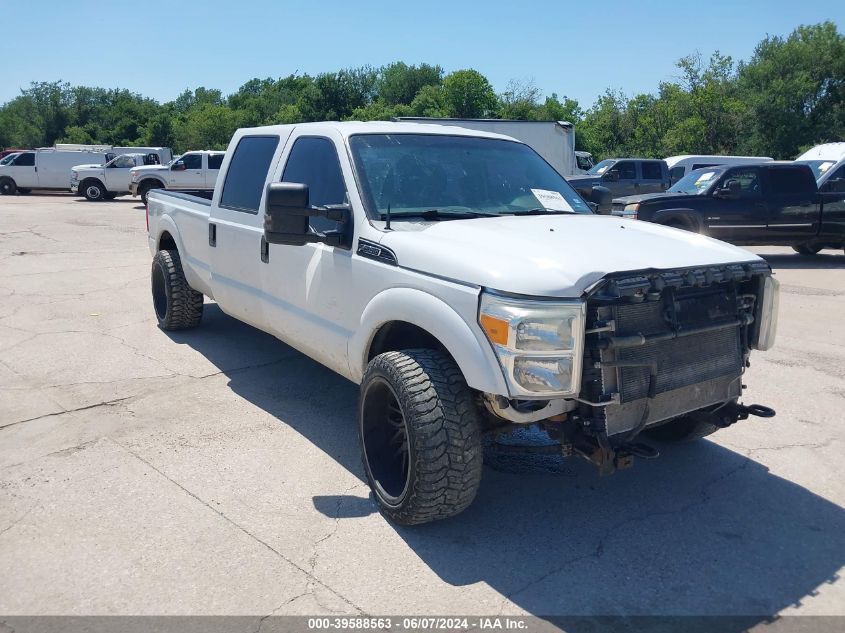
(216, 471)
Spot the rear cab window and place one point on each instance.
(215, 160)
(247, 173)
(652, 171)
(790, 181)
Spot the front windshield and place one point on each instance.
(695, 182)
(415, 173)
(602, 167)
(819, 167)
(8, 159)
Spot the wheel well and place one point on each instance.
(166, 242)
(85, 182)
(150, 182)
(399, 335)
(683, 220)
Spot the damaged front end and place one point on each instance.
(661, 348)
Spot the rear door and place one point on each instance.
(833, 204)
(213, 170)
(236, 228)
(740, 219)
(791, 195)
(652, 178)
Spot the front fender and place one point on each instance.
(690, 216)
(470, 349)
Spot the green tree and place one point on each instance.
(400, 83)
(468, 94)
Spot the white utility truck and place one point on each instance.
(828, 164)
(106, 182)
(194, 172)
(470, 291)
(553, 140)
(45, 168)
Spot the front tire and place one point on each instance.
(177, 305)
(807, 249)
(420, 436)
(145, 189)
(7, 187)
(93, 191)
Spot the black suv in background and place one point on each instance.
(766, 203)
(624, 177)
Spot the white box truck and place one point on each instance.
(45, 168)
(553, 140)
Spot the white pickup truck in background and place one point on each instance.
(105, 182)
(193, 171)
(470, 291)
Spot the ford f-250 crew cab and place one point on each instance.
(763, 203)
(467, 288)
(106, 182)
(191, 172)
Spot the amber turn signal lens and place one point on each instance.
(496, 329)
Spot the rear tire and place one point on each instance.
(177, 305)
(684, 429)
(420, 436)
(7, 187)
(93, 190)
(807, 249)
(146, 187)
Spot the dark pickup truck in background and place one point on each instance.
(762, 204)
(624, 177)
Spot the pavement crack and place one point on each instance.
(105, 403)
(262, 542)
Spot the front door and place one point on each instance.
(23, 170)
(626, 184)
(187, 173)
(306, 286)
(742, 217)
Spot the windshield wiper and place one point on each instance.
(542, 211)
(440, 214)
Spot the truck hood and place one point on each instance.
(551, 256)
(663, 196)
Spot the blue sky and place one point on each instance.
(572, 48)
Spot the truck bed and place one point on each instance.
(167, 210)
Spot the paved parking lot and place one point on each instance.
(216, 471)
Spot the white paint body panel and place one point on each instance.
(329, 302)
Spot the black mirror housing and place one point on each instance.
(178, 166)
(602, 198)
(287, 217)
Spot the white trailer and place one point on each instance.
(553, 140)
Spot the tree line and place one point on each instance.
(788, 96)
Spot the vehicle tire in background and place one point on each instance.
(177, 305)
(683, 429)
(7, 187)
(807, 249)
(93, 190)
(420, 436)
(146, 187)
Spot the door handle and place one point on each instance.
(212, 234)
(265, 251)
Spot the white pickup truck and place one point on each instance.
(467, 288)
(106, 182)
(194, 172)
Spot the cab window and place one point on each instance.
(215, 160)
(192, 161)
(652, 171)
(749, 181)
(313, 161)
(627, 170)
(25, 160)
(244, 183)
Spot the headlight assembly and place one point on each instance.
(766, 321)
(539, 343)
